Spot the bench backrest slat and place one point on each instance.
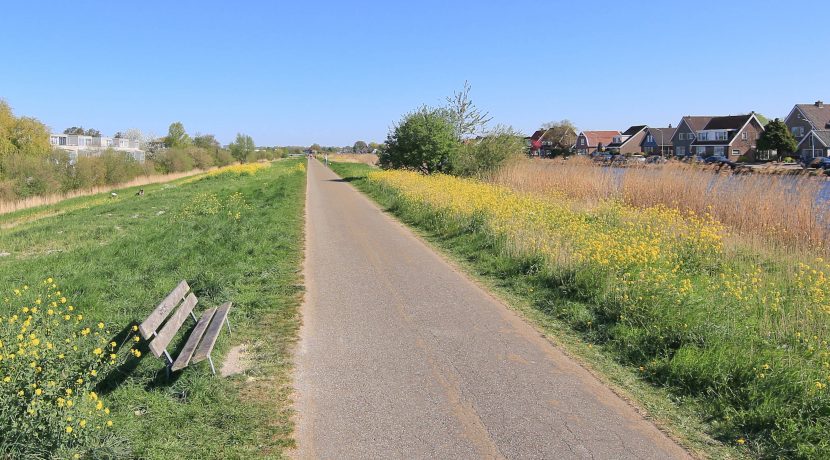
(149, 326)
(195, 337)
(212, 333)
(165, 335)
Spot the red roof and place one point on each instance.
(595, 138)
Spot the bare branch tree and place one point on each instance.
(465, 116)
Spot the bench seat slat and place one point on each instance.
(190, 346)
(212, 333)
(149, 326)
(165, 335)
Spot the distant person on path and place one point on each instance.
(326, 158)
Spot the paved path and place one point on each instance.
(400, 356)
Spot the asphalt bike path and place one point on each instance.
(402, 356)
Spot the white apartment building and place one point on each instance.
(78, 145)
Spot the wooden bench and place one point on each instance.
(166, 320)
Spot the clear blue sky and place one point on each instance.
(294, 73)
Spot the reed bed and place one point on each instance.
(366, 158)
(774, 211)
(34, 201)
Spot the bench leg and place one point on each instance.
(169, 364)
(212, 369)
(228, 322)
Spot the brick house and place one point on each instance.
(815, 144)
(628, 142)
(657, 141)
(684, 135)
(804, 119)
(733, 136)
(590, 142)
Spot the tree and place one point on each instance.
(79, 130)
(31, 137)
(177, 136)
(465, 117)
(242, 147)
(424, 140)
(559, 136)
(316, 147)
(93, 132)
(373, 146)
(777, 136)
(486, 154)
(7, 122)
(206, 141)
(360, 147)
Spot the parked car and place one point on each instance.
(655, 159)
(603, 157)
(637, 159)
(719, 160)
(820, 163)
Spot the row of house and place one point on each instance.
(733, 136)
(79, 145)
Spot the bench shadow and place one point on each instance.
(344, 179)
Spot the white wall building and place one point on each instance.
(78, 145)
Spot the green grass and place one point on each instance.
(115, 259)
(561, 316)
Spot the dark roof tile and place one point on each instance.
(818, 116)
(728, 122)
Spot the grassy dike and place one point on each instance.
(530, 291)
(236, 237)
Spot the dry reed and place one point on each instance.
(34, 201)
(367, 158)
(774, 210)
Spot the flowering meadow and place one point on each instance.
(113, 258)
(238, 169)
(741, 334)
(51, 360)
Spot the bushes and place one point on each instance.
(486, 154)
(50, 363)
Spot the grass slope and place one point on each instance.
(529, 291)
(116, 258)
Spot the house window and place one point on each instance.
(681, 151)
(703, 136)
(649, 138)
(719, 150)
(736, 152)
(700, 149)
(798, 131)
(744, 135)
(721, 136)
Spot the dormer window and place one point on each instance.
(649, 138)
(721, 136)
(617, 139)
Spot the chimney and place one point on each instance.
(820, 104)
(669, 125)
